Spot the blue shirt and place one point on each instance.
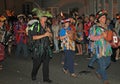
(63, 31)
(66, 43)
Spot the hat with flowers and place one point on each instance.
(101, 13)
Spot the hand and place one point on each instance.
(48, 34)
(104, 34)
(57, 37)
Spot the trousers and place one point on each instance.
(103, 62)
(37, 61)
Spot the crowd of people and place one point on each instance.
(96, 36)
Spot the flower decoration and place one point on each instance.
(101, 13)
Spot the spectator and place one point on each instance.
(42, 51)
(20, 35)
(2, 54)
(55, 30)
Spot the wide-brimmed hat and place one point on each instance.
(21, 16)
(65, 20)
(41, 13)
(101, 13)
(2, 18)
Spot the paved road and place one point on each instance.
(17, 70)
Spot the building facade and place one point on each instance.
(56, 6)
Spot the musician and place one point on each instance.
(41, 53)
(102, 47)
(68, 45)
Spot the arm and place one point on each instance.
(62, 37)
(95, 38)
(37, 37)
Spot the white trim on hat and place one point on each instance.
(20, 15)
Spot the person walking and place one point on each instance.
(40, 34)
(68, 45)
(102, 46)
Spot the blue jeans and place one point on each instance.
(103, 62)
(92, 60)
(23, 47)
(69, 61)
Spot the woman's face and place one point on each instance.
(86, 19)
(92, 19)
(102, 19)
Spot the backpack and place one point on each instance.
(29, 30)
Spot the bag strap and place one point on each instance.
(32, 27)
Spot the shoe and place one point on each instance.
(98, 75)
(1, 67)
(73, 75)
(62, 63)
(106, 82)
(77, 53)
(113, 60)
(48, 81)
(75, 64)
(91, 67)
(33, 78)
(86, 54)
(116, 58)
(88, 58)
(57, 51)
(65, 71)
